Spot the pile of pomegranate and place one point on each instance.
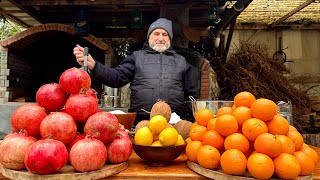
(64, 126)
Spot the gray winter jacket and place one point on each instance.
(153, 76)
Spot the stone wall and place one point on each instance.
(4, 72)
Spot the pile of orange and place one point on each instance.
(250, 136)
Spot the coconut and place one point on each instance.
(141, 124)
(183, 128)
(161, 108)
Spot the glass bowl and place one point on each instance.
(213, 105)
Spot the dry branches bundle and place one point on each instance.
(250, 68)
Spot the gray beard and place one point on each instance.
(160, 49)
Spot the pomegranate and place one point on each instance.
(103, 126)
(59, 126)
(73, 80)
(74, 140)
(51, 97)
(13, 150)
(13, 133)
(120, 149)
(81, 106)
(92, 92)
(123, 133)
(28, 117)
(88, 154)
(46, 156)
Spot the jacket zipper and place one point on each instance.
(161, 69)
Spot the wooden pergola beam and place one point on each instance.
(11, 11)
(16, 20)
(289, 14)
(83, 2)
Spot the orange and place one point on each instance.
(253, 127)
(292, 128)
(296, 138)
(306, 163)
(226, 124)
(244, 99)
(212, 124)
(192, 125)
(286, 166)
(197, 132)
(305, 145)
(278, 125)
(268, 144)
(192, 149)
(233, 107)
(208, 157)
(260, 166)
(237, 141)
(202, 116)
(224, 110)
(264, 109)
(242, 114)
(311, 152)
(213, 138)
(233, 162)
(188, 140)
(288, 145)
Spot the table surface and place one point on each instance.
(138, 169)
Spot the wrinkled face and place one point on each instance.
(159, 40)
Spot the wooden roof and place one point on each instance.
(116, 13)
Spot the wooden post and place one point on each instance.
(312, 139)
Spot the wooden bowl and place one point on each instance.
(158, 155)
(126, 119)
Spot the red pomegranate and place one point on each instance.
(119, 150)
(74, 140)
(13, 150)
(46, 156)
(28, 117)
(123, 133)
(103, 126)
(73, 80)
(59, 126)
(81, 106)
(51, 97)
(88, 154)
(92, 92)
(13, 133)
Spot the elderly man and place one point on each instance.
(155, 72)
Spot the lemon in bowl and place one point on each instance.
(157, 123)
(168, 136)
(160, 152)
(143, 137)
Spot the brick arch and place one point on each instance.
(54, 27)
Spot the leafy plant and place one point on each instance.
(8, 28)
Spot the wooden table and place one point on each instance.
(316, 172)
(178, 169)
(138, 169)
